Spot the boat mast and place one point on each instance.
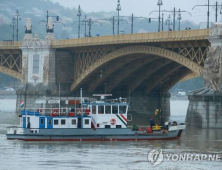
(81, 97)
(59, 99)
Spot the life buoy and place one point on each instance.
(113, 121)
(55, 112)
(79, 111)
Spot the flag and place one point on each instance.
(22, 103)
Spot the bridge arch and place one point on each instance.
(137, 49)
(11, 72)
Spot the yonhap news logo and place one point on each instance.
(156, 157)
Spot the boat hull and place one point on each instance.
(93, 135)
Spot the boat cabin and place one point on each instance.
(86, 114)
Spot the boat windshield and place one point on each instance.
(109, 109)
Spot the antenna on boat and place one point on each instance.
(81, 97)
(59, 99)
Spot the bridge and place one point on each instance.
(121, 58)
(142, 66)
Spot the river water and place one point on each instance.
(22, 155)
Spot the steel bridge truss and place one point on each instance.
(11, 62)
(195, 51)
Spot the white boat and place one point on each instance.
(85, 119)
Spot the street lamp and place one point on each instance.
(162, 20)
(13, 29)
(208, 12)
(79, 14)
(90, 23)
(169, 22)
(179, 18)
(85, 21)
(47, 19)
(17, 17)
(118, 8)
(159, 3)
(174, 14)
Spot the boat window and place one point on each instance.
(93, 109)
(63, 121)
(42, 121)
(28, 119)
(118, 126)
(115, 109)
(100, 109)
(108, 109)
(50, 121)
(86, 121)
(107, 126)
(56, 121)
(122, 109)
(73, 121)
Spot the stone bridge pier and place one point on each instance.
(44, 70)
(205, 105)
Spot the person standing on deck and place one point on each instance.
(151, 122)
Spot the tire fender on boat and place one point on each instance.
(112, 121)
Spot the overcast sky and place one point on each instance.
(144, 7)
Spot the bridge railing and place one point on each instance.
(115, 39)
(6, 44)
(126, 38)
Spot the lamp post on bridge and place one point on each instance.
(17, 18)
(159, 3)
(208, 11)
(132, 20)
(118, 8)
(179, 18)
(13, 29)
(90, 22)
(79, 15)
(169, 22)
(162, 20)
(113, 21)
(174, 11)
(47, 18)
(85, 22)
(216, 7)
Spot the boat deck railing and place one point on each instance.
(55, 111)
